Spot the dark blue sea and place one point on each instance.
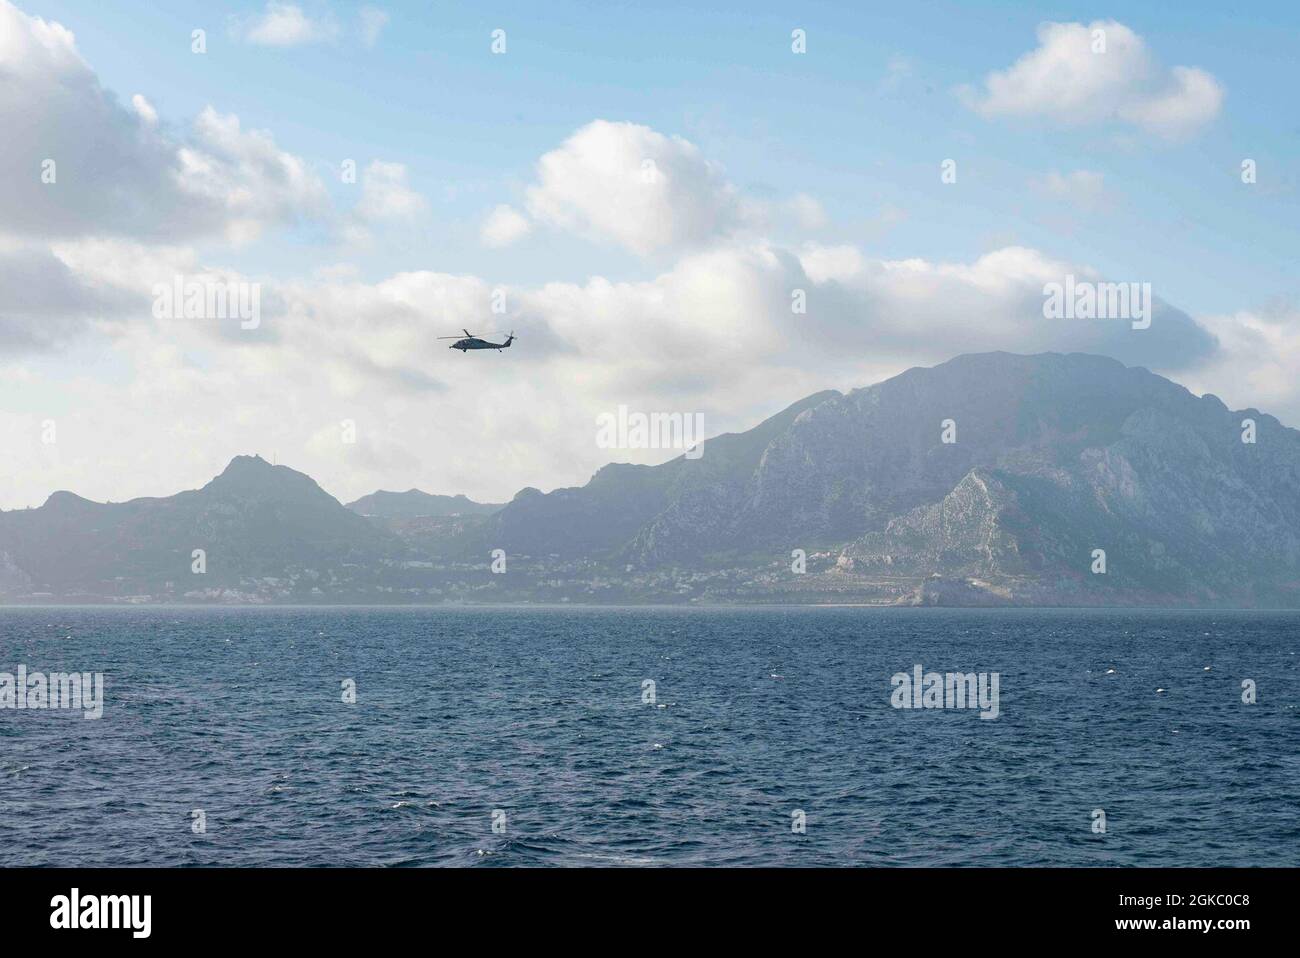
(534, 719)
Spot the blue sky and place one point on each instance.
(817, 171)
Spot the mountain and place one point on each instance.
(1054, 456)
(1051, 458)
(253, 521)
(622, 502)
(414, 504)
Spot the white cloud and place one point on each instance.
(284, 25)
(994, 302)
(373, 21)
(1194, 98)
(1068, 79)
(45, 304)
(145, 110)
(636, 187)
(116, 173)
(1256, 366)
(713, 333)
(503, 226)
(649, 193)
(246, 176)
(386, 195)
(115, 180)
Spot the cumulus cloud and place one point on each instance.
(993, 302)
(1100, 72)
(112, 171)
(386, 195)
(284, 25)
(45, 304)
(634, 186)
(649, 193)
(503, 226)
(1191, 100)
(81, 173)
(244, 176)
(1256, 364)
(714, 333)
(144, 109)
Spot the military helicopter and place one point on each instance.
(470, 341)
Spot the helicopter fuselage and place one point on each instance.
(476, 343)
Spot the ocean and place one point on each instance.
(524, 736)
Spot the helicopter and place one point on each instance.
(470, 341)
